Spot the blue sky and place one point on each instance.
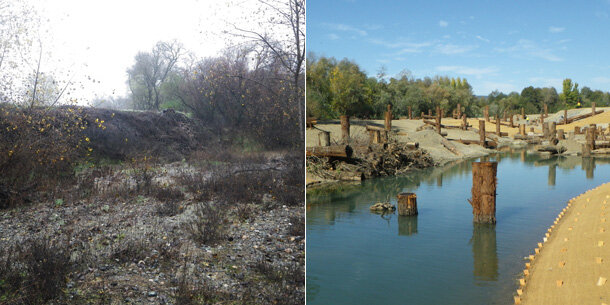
(504, 45)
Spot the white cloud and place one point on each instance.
(332, 36)
(345, 28)
(479, 37)
(529, 48)
(443, 23)
(405, 46)
(451, 49)
(462, 70)
(556, 29)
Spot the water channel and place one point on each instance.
(438, 257)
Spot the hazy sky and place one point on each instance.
(505, 45)
(99, 39)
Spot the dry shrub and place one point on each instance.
(297, 226)
(210, 224)
(169, 198)
(38, 149)
(34, 272)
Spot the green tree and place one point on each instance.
(570, 94)
(347, 85)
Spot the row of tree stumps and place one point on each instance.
(483, 200)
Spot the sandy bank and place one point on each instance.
(573, 265)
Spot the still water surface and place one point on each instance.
(438, 257)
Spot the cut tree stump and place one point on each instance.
(483, 200)
(324, 138)
(345, 128)
(407, 204)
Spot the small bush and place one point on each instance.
(210, 224)
(34, 272)
(297, 226)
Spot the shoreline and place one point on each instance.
(571, 264)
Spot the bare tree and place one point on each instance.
(290, 15)
(150, 72)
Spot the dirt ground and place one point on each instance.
(573, 266)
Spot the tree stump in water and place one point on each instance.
(345, 128)
(545, 130)
(484, 192)
(407, 204)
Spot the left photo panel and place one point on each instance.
(152, 152)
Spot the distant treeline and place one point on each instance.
(341, 87)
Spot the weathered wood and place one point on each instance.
(601, 151)
(483, 200)
(590, 137)
(410, 113)
(593, 108)
(438, 119)
(560, 134)
(311, 122)
(553, 133)
(343, 151)
(487, 143)
(345, 128)
(502, 133)
(324, 138)
(586, 150)
(546, 111)
(576, 130)
(482, 133)
(374, 136)
(459, 110)
(545, 130)
(486, 113)
(512, 123)
(388, 118)
(450, 147)
(407, 204)
(580, 117)
(565, 116)
(425, 116)
(497, 124)
(464, 122)
(522, 129)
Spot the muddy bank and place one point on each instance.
(569, 265)
(435, 150)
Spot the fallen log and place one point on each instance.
(601, 151)
(488, 143)
(580, 117)
(502, 134)
(376, 128)
(425, 116)
(450, 147)
(342, 151)
(551, 148)
(311, 122)
(501, 123)
(442, 126)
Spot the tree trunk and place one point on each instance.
(484, 192)
(482, 132)
(410, 113)
(345, 128)
(464, 122)
(438, 119)
(487, 113)
(498, 125)
(407, 204)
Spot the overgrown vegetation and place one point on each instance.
(340, 87)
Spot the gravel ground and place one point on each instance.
(124, 250)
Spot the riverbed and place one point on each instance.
(358, 257)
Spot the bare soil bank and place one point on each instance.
(573, 265)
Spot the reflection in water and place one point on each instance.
(357, 257)
(484, 252)
(588, 164)
(552, 174)
(439, 180)
(407, 225)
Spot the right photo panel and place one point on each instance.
(457, 153)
